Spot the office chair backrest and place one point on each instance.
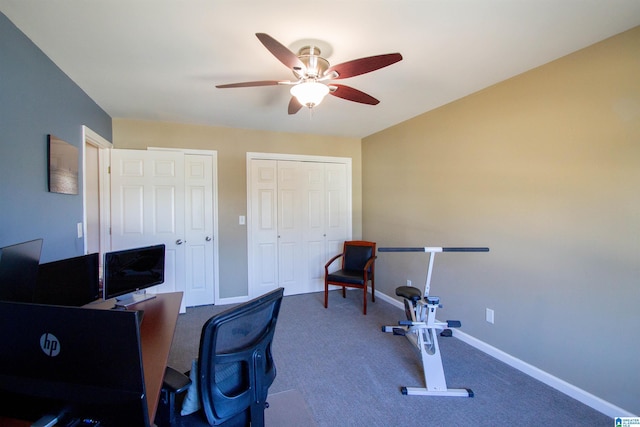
(236, 367)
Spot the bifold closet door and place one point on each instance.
(299, 216)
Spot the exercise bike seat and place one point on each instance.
(410, 293)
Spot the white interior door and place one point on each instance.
(199, 237)
(148, 207)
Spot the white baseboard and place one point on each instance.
(232, 300)
(569, 389)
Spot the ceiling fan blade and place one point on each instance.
(363, 65)
(283, 54)
(294, 105)
(250, 84)
(351, 94)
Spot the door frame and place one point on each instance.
(347, 161)
(104, 189)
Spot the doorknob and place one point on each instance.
(208, 238)
(179, 242)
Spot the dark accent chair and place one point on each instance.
(235, 368)
(358, 268)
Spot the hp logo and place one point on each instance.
(50, 344)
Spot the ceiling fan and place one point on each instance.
(313, 74)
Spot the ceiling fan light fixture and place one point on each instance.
(310, 94)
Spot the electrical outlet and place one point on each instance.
(490, 315)
(408, 282)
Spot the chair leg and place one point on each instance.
(326, 293)
(344, 292)
(166, 412)
(373, 291)
(364, 300)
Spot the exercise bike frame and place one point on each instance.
(421, 327)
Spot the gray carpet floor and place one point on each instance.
(349, 372)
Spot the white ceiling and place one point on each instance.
(161, 59)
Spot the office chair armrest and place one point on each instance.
(326, 266)
(174, 381)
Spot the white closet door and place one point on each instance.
(314, 223)
(337, 210)
(299, 217)
(290, 222)
(147, 202)
(263, 250)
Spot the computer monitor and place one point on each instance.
(129, 271)
(71, 281)
(86, 362)
(19, 270)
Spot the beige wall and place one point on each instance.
(232, 146)
(545, 170)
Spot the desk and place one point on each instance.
(156, 332)
(156, 336)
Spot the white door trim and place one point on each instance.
(91, 137)
(301, 158)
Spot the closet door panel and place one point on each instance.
(290, 250)
(337, 217)
(263, 259)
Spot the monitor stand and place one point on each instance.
(133, 298)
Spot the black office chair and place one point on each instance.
(234, 369)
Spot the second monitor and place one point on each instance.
(128, 272)
(71, 281)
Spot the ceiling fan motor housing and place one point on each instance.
(315, 65)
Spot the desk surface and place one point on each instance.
(156, 336)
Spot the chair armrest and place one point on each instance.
(369, 262)
(326, 266)
(174, 381)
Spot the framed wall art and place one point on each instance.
(63, 166)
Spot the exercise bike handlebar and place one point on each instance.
(434, 249)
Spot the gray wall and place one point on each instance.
(37, 99)
(544, 169)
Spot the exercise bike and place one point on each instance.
(421, 328)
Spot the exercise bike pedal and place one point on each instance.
(399, 331)
(454, 323)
